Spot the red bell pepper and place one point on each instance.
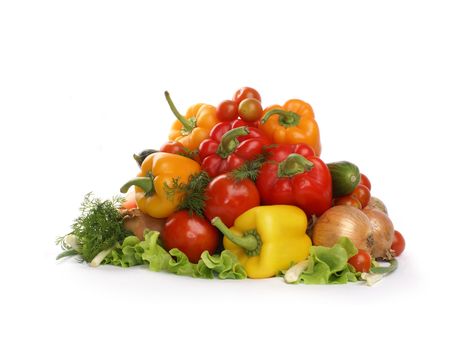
(230, 145)
(293, 175)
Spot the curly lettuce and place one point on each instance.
(149, 252)
(327, 265)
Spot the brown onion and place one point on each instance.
(382, 229)
(343, 220)
(375, 203)
(137, 222)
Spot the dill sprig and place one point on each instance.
(193, 192)
(175, 188)
(98, 227)
(250, 169)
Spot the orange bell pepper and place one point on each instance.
(295, 123)
(195, 126)
(158, 172)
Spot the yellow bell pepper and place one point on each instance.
(158, 171)
(267, 239)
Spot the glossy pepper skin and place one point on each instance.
(193, 127)
(158, 170)
(293, 175)
(267, 239)
(292, 123)
(230, 145)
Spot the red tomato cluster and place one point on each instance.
(246, 104)
(358, 198)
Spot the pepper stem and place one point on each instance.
(250, 241)
(146, 183)
(229, 141)
(294, 164)
(188, 124)
(286, 118)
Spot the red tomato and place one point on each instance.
(361, 261)
(191, 234)
(174, 147)
(228, 198)
(129, 204)
(227, 110)
(365, 181)
(246, 92)
(250, 110)
(398, 244)
(348, 200)
(362, 194)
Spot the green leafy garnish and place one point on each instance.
(329, 265)
(149, 252)
(193, 192)
(99, 227)
(225, 265)
(250, 169)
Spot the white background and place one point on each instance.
(81, 90)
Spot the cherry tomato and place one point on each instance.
(246, 92)
(129, 204)
(250, 109)
(365, 181)
(398, 244)
(362, 194)
(348, 200)
(174, 147)
(227, 110)
(191, 234)
(228, 198)
(361, 261)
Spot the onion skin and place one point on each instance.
(347, 221)
(136, 221)
(375, 203)
(383, 231)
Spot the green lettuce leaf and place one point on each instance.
(156, 257)
(225, 265)
(180, 265)
(329, 265)
(125, 255)
(347, 244)
(149, 252)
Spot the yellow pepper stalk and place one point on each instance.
(267, 239)
(159, 171)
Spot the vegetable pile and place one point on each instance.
(240, 191)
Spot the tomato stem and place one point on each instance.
(187, 124)
(294, 164)
(286, 118)
(146, 183)
(250, 241)
(229, 141)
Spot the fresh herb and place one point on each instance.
(98, 228)
(175, 188)
(250, 169)
(325, 265)
(193, 192)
